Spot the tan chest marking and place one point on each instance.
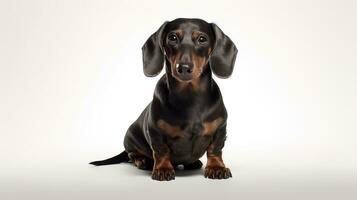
(209, 128)
(172, 131)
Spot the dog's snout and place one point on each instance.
(184, 69)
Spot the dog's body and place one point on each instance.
(187, 116)
(185, 125)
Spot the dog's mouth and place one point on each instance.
(182, 78)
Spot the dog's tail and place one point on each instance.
(122, 157)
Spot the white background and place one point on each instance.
(71, 83)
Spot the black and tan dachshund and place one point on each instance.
(186, 117)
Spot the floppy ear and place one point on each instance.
(153, 54)
(223, 55)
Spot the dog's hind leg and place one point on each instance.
(141, 161)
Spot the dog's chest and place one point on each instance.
(193, 129)
(190, 145)
(190, 129)
(188, 142)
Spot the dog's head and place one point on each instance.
(189, 46)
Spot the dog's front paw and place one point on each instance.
(163, 174)
(217, 173)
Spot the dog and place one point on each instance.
(187, 116)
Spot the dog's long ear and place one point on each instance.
(153, 54)
(223, 55)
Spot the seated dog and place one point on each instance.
(186, 117)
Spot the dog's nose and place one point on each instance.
(184, 69)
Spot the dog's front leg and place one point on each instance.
(163, 169)
(215, 167)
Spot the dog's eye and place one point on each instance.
(172, 38)
(202, 39)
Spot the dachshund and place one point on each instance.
(187, 116)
